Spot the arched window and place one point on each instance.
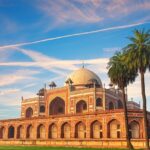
(29, 132)
(41, 131)
(120, 105)
(81, 106)
(29, 112)
(80, 130)
(99, 102)
(57, 106)
(134, 130)
(11, 132)
(96, 130)
(66, 130)
(114, 129)
(20, 132)
(2, 130)
(42, 109)
(111, 106)
(53, 131)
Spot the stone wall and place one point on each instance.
(76, 143)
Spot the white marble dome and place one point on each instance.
(84, 76)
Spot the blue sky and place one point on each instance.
(26, 65)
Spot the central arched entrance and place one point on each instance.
(57, 106)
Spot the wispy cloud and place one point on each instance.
(57, 66)
(67, 12)
(121, 8)
(17, 76)
(73, 35)
(8, 91)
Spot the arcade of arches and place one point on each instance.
(80, 130)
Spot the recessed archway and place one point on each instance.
(29, 112)
(41, 131)
(66, 131)
(111, 106)
(2, 131)
(42, 109)
(81, 106)
(80, 130)
(114, 130)
(57, 106)
(20, 132)
(99, 102)
(134, 130)
(11, 132)
(53, 131)
(29, 133)
(96, 130)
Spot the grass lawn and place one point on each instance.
(49, 148)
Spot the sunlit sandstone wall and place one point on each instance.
(104, 118)
(77, 143)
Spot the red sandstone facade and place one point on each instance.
(82, 110)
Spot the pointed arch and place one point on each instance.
(29, 112)
(66, 130)
(20, 132)
(96, 130)
(99, 102)
(111, 106)
(2, 132)
(134, 129)
(80, 130)
(41, 133)
(53, 131)
(29, 132)
(81, 106)
(114, 129)
(11, 132)
(42, 109)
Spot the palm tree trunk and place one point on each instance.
(144, 110)
(129, 145)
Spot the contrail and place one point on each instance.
(73, 35)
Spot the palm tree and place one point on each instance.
(137, 55)
(121, 76)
